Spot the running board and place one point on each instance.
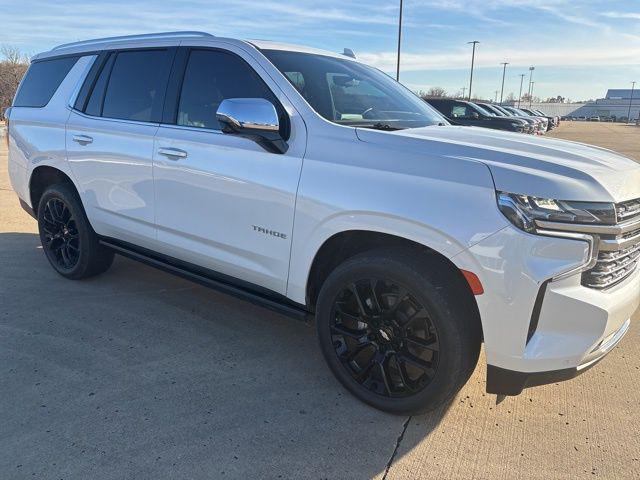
(209, 278)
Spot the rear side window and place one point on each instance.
(135, 86)
(42, 80)
(211, 77)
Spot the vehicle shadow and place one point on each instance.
(140, 374)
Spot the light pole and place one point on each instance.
(473, 58)
(504, 71)
(399, 43)
(633, 86)
(496, 100)
(531, 69)
(531, 94)
(522, 75)
(464, 89)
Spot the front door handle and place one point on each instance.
(172, 153)
(82, 139)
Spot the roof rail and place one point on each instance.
(143, 36)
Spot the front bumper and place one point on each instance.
(510, 382)
(540, 324)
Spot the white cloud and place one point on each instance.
(626, 15)
(491, 57)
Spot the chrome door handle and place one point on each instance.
(172, 153)
(82, 139)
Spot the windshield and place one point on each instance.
(522, 112)
(350, 93)
(481, 110)
(503, 110)
(493, 109)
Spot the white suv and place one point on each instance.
(318, 186)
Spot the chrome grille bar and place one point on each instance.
(618, 245)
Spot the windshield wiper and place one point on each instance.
(380, 126)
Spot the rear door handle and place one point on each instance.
(172, 153)
(82, 139)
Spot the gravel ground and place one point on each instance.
(140, 375)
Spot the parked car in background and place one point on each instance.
(539, 126)
(551, 121)
(460, 112)
(414, 241)
(532, 124)
(594, 118)
(556, 119)
(518, 112)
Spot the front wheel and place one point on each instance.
(396, 330)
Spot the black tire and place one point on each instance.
(436, 322)
(68, 241)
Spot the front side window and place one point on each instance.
(350, 93)
(136, 85)
(212, 76)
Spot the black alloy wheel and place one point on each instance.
(399, 328)
(69, 242)
(384, 337)
(60, 232)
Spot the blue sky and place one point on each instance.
(579, 47)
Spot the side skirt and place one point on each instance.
(209, 278)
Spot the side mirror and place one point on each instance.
(252, 118)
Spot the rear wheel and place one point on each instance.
(68, 241)
(396, 331)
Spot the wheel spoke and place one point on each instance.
(402, 373)
(416, 362)
(356, 294)
(360, 376)
(339, 329)
(430, 344)
(398, 297)
(352, 354)
(375, 307)
(384, 374)
(346, 315)
(65, 256)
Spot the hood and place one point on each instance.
(525, 164)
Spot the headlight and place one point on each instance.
(516, 125)
(524, 210)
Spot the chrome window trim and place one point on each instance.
(115, 120)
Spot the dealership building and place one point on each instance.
(614, 104)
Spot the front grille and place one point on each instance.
(628, 210)
(619, 253)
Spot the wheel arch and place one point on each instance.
(345, 244)
(42, 177)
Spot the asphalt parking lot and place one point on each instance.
(137, 374)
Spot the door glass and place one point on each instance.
(212, 76)
(137, 85)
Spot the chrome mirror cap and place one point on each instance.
(248, 114)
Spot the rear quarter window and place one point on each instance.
(42, 80)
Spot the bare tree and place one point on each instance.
(434, 92)
(13, 65)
